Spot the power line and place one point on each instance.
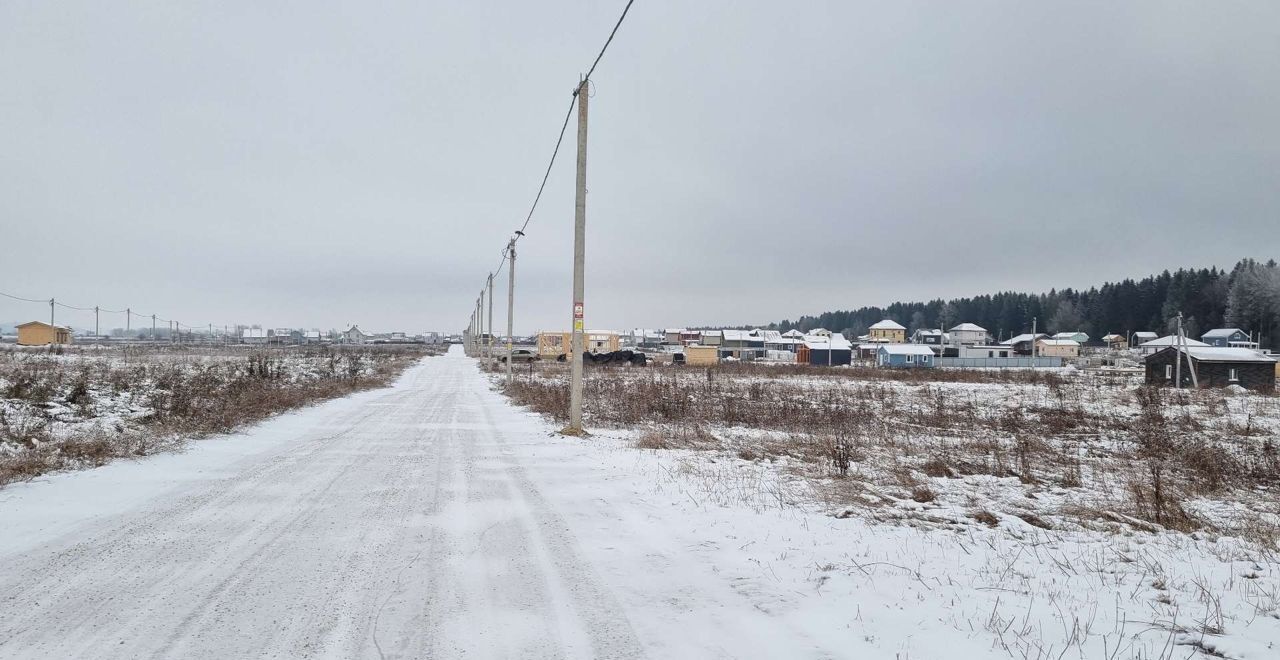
(32, 300)
(565, 124)
(606, 43)
(547, 174)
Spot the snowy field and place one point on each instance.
(435, 519)
(75, 407)
(1074, 515)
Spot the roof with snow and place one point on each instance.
(906, 349)
(1026, 336)
(737, 335)
(1170, 341)
(837, 343)
(793, 333)
(1222, 332)
(888, 324)
(1216, 354)
(1058, 342)
(968, 327)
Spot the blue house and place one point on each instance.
(905, 356)
(1228, 337)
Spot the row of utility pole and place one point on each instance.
(479, 338)
(175, 328)
(479, 341)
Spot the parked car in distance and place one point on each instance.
(520, 355)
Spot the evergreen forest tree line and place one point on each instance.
(1247, 297)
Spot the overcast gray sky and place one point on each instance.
(323, 163)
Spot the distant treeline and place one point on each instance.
(1248, 297)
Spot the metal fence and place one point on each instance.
(1000, 363)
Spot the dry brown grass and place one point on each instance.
(1147, 449)
(188, 391)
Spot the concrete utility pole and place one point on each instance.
(96, 331)
(1182, 352)
(511, 302)
(579, 268)
(1033, 342)
(489, 339)
(128, 321)
(51, 303)
(153, 328)
(1178, 368)
(480, 315)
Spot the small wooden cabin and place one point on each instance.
(701, 356)
(38, 333)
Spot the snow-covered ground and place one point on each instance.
(433, 519)
(81, 406)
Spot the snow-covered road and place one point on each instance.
(393, 524)
(434, 520)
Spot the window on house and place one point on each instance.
(911, 358)
(1168, 371)
(1233, 375)
(991, 354)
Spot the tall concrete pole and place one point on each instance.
(51, 304)
(489, 339)
(128, 321)
(1181, 351)
(153, 328)
(481, 317)
(511, 302)
(1033, 342)
(579, 268)
(97, 330)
